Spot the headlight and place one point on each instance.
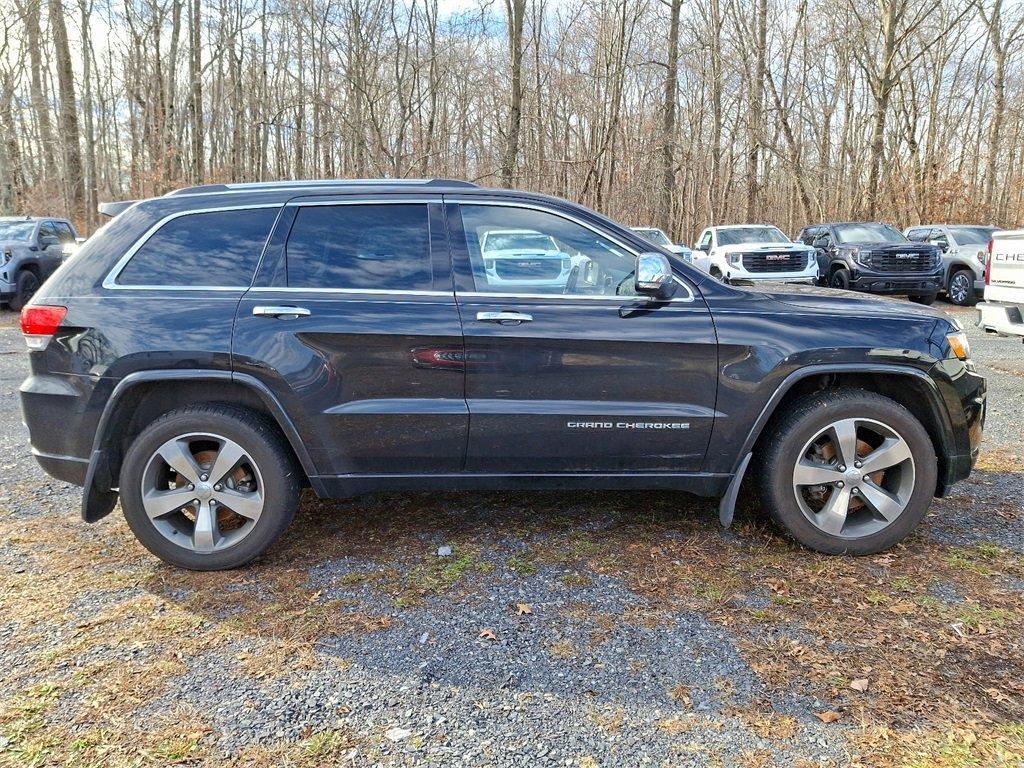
(861, 257)
(735, 259)
(959, 345)
(7, 256)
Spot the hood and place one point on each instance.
(766, 247)
(832, 301)
(893, 247)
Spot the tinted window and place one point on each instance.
(383, 247)
(16, 230)
(220, 248)
(972, 235)
(47, 232)
(868, 233)
(739, 235)
(575, 260)
(64, 232)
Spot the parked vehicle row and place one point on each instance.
(437, 335)
(920, 262)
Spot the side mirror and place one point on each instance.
(653, 274)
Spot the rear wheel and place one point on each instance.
(848, 472)
(840, 279)
(960, 289)
(208, 487)
(25, 288)
(925, 298)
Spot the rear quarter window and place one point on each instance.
(203, 250)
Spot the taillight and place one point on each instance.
(988, 263)
(38, 324)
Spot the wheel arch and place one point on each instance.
(141, 397)
(910, 387)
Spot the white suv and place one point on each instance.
(757, 252)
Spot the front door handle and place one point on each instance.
(282, 312)
(505, 318)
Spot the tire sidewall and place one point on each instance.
(280, 490)
(19, 300)
(968, 293)
(839, 280)
(784, 455)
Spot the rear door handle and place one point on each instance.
(283, 312)
(505, 318)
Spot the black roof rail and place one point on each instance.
(256, 186)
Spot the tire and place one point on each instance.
(717, 274)
(263, 483)
(802, 509)
(960, 288)
(26, 284)
(839, 279)
(927, 298)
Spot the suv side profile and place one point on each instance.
(30, 250)
(874, 257)
(345, 336)
(964, 249)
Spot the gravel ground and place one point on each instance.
(554, 633)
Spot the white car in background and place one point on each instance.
(1001, 311)
(756, 252)
(659, 238)
(523, 259)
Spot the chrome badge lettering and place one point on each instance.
(628, 424)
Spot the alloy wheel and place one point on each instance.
(960, 287)
(202, 492)
(854, 478)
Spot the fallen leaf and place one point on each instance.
(778, 586)
(828, 716)
(523, 609)
(860, 684)
(487, 634)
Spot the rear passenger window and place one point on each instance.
(215, 249)
(384, 247)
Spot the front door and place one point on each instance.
(568, 369)
(352, 324)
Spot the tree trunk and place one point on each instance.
(516, 13)
(68, 114)
(668, 124)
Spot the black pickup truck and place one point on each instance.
(876, 258)
(212, 351)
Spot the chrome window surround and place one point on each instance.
(110, 281)
(690, 297)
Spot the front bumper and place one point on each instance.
(901, 284)
(807, 276)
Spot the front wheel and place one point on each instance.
(840, 279)
(25, 288)
(926, 298)
(960, 289)
(848, 472)
(208, 487)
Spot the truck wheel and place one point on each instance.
(717, 274)
(848, 472)
(208, 487)
(26, 286)
(925, 298)
(960, 289)
(840, 279)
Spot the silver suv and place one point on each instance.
(30, 250)
(963, 248)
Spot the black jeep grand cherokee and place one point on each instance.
(877, 258)
(211, 351)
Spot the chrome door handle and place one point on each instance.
(503, 317)
(270, 311)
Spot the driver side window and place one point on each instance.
(527, 251)
(705, 242)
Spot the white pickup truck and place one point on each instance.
(1002, 310)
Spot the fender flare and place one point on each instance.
(743, 457)
(98, 499)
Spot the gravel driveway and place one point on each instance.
(577, 629)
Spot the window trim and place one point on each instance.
(461, 201)
(110, 281)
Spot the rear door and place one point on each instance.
(352, 323)
(569, 370)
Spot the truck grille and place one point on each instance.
(885, 261)
(784, 261)
(528, 269)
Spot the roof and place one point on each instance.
(741, 226)
(32, 218)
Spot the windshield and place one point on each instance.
(972, 235)
(655, 236)
(737, 235)
(868, 233)
(519, 241)
(16, 230)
